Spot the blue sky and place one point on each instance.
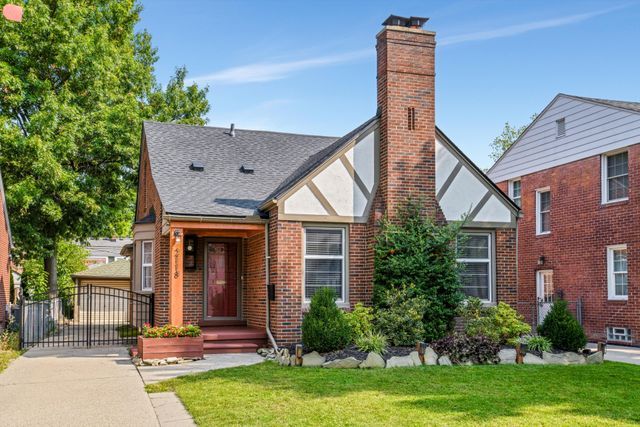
(309, 67)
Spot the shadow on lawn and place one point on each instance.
(481, 393)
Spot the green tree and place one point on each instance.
(506, 139)
(76, 81)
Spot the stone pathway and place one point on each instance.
(170, 410)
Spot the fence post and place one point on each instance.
(21, 334)
(152, 307)
(89, 330)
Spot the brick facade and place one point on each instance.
(581, 229)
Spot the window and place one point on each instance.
(561, 129)
(543, 211)
(515, 191)
(615, 177)
(618, 334)
(474, 253)
(617, 272)
(324, 265)
(147, 265)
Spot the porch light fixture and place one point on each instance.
(176, 235)
(541, 260)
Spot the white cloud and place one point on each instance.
(268, 71)
(514, 30)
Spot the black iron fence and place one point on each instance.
(534, 312)
(86, 316)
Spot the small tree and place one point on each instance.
(416, 250)
(506, 139)
(325, 327)
(562, 329)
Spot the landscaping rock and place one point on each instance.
(416, 358)
(430, 357)
(595, 358)
(507, 356)
(282, 357)
(312, 360)
(292, 360)
(400, 362)
(532, 359)
(444, 360)
(348, 363)
(172, 360)
(568, 358)
(136, 361)
(373, 360)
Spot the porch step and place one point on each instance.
(233, 339)
(205, 323)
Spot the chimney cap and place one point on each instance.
(401, 21)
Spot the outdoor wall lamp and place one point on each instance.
(541, 260)
(176, 235)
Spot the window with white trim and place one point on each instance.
(543, 211)
(615, 177)
(475, 255)
(324, 261)
(618, 334)
(561, 127)
(146, 265)
(617, 272)
(515, 191)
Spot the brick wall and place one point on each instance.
(581, 229)
(254, 291)
(5, 264)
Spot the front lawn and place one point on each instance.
(6, 356)
(267, 394)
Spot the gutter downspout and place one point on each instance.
(267, 264)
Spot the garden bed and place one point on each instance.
(163, 348)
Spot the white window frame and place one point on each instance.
(539, 231)
(604, 181)
(611, 279)
(617, 331)
(143, 265)
(343, 257)
(483, 261)
(511, 193)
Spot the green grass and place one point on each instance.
(6, 356)
(267, 394)
(128, 331)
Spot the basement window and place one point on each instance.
(618, 334)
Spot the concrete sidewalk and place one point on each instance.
(74, 387)
(619, 353)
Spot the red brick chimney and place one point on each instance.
(406, 96)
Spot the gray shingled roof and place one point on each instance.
(627, 105)
(120, 269)
(221, 189)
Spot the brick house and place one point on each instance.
(5, 259)
(574, 172)
(219, 207)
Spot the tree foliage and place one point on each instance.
(562, 329)
(417, 251)
(506, 139)
(76, 81)
(325, 327)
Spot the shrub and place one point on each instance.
(361, 320)
(10, 336)
(399, 316)
(536, 343)
(500, 323)
(562, 329)
(375, 342)
(325, 327)
(414, 249)
(464, 348)
(170, 331)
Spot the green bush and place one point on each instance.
(463, 348)
(536, 343)
(325, 327)
(361, 320)
(170, 331)
(400, 315)
(375, 342)
(413, 248)
(562, 329)
(500, 323)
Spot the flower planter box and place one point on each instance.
(161, 348)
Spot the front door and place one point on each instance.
(545, 293)
(221, 280)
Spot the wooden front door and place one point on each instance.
(221, 280)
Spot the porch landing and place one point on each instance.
(233, 339)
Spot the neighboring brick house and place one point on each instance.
(218, 207)
(575, 173)
(5, 259)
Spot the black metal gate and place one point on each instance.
(85, 316)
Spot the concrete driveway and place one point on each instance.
(74, 387)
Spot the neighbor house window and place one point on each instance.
(618, 334)
(515, 191)
(543, 211)
(617, 272)
(561, 129)
(147, 265)
(615, 177)
(474, 255)
(324, 261)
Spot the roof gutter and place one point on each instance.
(205, 218)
